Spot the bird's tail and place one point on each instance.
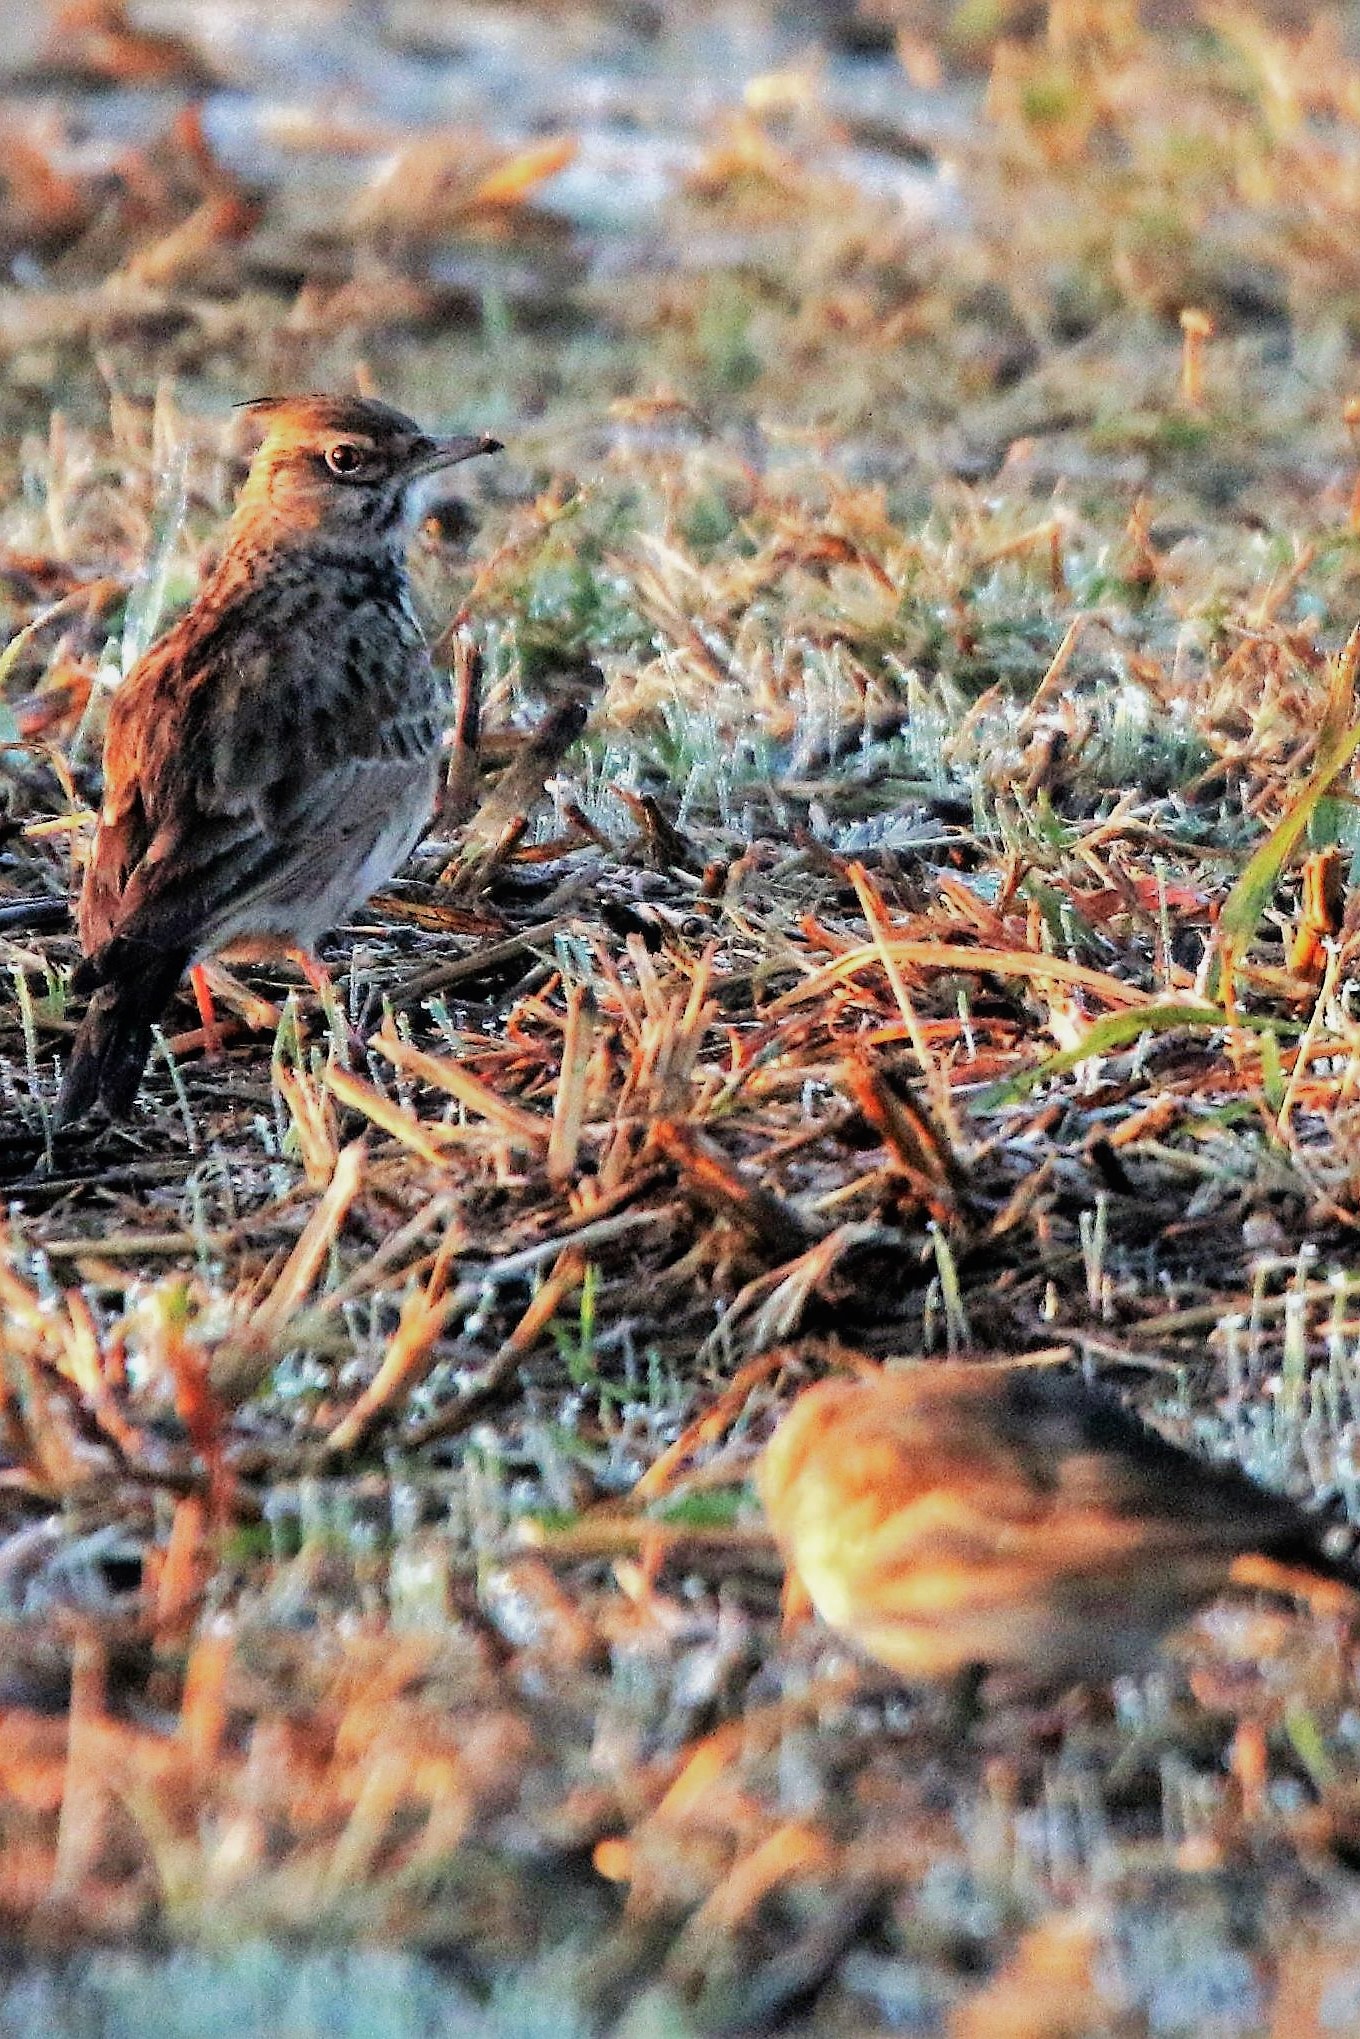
(132, 986)
(1298, 1561)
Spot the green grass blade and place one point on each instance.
(1116, 1030)
(1337, 743)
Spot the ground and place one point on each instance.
(894, 899)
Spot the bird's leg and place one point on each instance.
(1248, 1762)
(323, 984)
(207, 1013)
(222, 987)
(316, 973)
(960, 1709)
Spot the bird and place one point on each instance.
(271, 759)
(960, 1521)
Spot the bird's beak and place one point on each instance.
(448, 452)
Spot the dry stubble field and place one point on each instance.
(893, 898)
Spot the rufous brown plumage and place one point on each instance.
(271, 760)
(953, 1518)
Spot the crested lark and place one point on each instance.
(954, 1518)
(272, 759)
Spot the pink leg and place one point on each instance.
(316, 973)
(207, 1014)
(323, 984)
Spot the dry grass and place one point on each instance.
(939, 939)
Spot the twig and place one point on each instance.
(723, 1189)
(569, 1104)
(937, 1084)
(957, 956)
(482, 960)
(498, 1373)
(36, 916)
(130, 1245)
(526, 1128)
(460, 786)
(712, 1424)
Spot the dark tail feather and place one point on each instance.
(134, 986)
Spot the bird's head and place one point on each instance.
(344, 468)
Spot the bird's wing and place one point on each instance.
(1127, 1471)
(237, 773)
(127, 817)
(1088, 1454)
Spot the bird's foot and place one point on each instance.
(329, 999)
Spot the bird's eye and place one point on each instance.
(344, 457)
